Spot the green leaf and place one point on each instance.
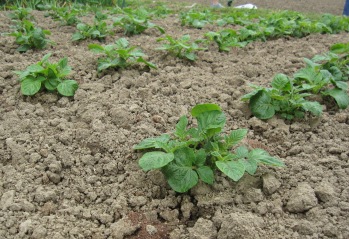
(190, 56)
(257, 154)
(180, 178)
(200, 157)
(308, 74)
(35, 68)
(311, 64)
(250, 165)
(205, 174)
(45, 58)
(185, 156)
(39, 39)
(151, 65)
(263, 156)
(155, 160)
(233, 169)
(235, 137)
(281, 82)
(82, 27)
(22, 74)
(314, 107)
(153, 142)
(122, 43)
(64, 72)
(104, 65)
(241, 152)
(51, 83)
(249, 95)
(340, 48)
(340, 96)
(67, 87)
(77, 36)
(272, 161)
(30, 86)
(201, 108)
(181, 127)
(211, 122)
(23, 48)
(51, 73)
(63, 63)
(261, 105)
(341, 85)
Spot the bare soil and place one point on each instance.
(67, 168)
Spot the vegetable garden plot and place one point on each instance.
(68, 168)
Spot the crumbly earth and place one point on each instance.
(67, 168)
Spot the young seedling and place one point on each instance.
(30, 37)
(192, 154)
(225, 39)
(327, 75)
(51, 76)
(135, 23)
(65, 15)
(119, 55)
(21, 14)
(99, 30)
(196, 19)
(284, 98)
(181, 48)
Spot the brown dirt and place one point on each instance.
(68, 170)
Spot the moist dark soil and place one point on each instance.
(67, 168)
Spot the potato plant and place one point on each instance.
(21, 14)
(49, 76)
(30, 37)
(181, 47)
(192, 154)
(119, 55)
(135, 22)
(99, 30)
(225, 39)
(65, 15)
(284, 98)
(196, 19)
(324, 75)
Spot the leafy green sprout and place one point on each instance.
(226, 39)
(135, 22)
(284, 98)
(66, 15)
(97, 31)
(196, 19)
(49, 76)
(21, 14)
(192, 154)
(30, 37)
(182, 47)
(119, 55)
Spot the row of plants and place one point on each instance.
(120, 55)
(324, 75)
(137, 21)
(48, 4)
